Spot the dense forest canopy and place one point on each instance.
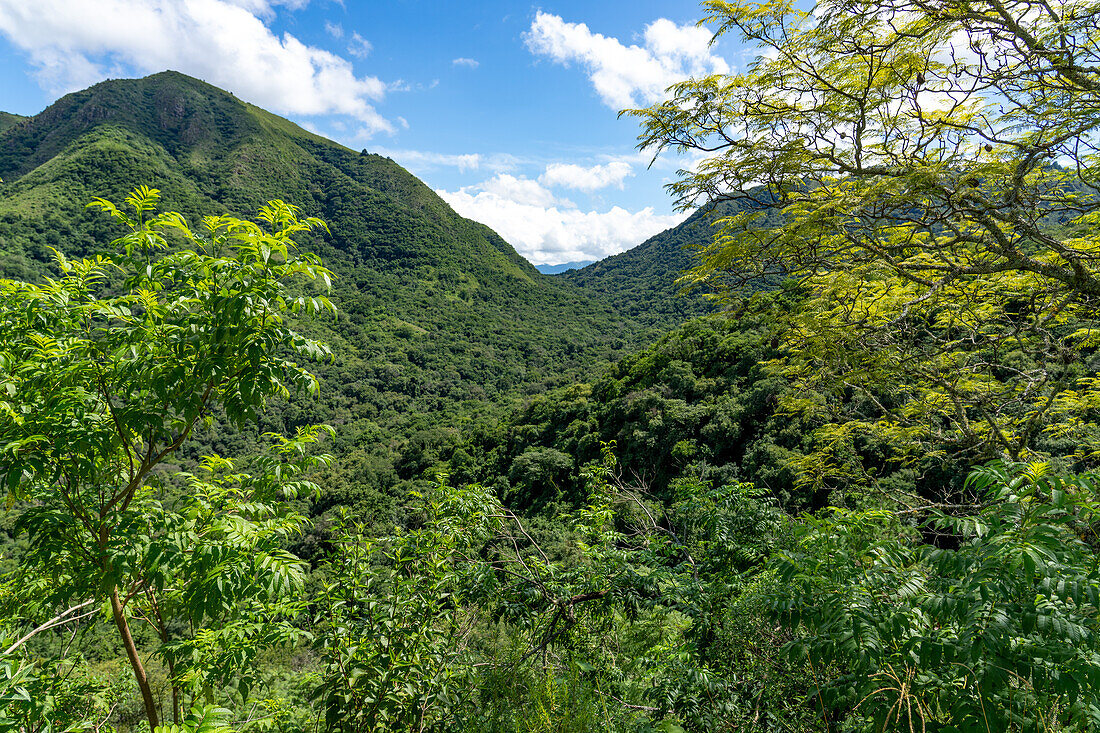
(854, 496)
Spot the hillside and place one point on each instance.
(438, 314)
(8, 120)
(695, 403)
(641, 282)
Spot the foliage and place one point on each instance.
(52, 696)
(694, 404)
(423, 359)
(623, 621)
(106, 373)
(477, 619)
(997, 633)
(200, 720)
(934, 167)
(635, 584)
(391, 626)
(219, 565)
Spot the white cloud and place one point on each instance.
(570, 175)
(334, 29)
(522, 191)
(74, 43)
(400, 85)
(627, 76)
(359, 47)
(422, 160)
(543, 228)
(267, 7)
(469, 63)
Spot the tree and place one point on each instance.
(104, 374)
(934, 164)
(393, 627)
(998, 633)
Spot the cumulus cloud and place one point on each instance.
(334, 29)
(627, 76)
(468, 63)
(571, 175)
(544, 228)
(74, 43)
(522, 191)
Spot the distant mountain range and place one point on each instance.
(563, 267)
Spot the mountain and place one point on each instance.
(441, 321)
(564, 267)
(641, 282)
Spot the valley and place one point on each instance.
(288, 445)
(441, 324)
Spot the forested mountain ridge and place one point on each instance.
(436, 311)
(209, 151)
(211, 147)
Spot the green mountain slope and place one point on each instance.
(440, 318)
(8, 120)
(641, 282)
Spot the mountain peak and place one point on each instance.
(177, 111)
(208, 151)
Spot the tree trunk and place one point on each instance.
(135, 660)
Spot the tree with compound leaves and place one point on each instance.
(104, 374)
(934, 164)
(999, 633)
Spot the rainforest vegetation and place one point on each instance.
(287, 445)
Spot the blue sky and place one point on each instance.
(508, 110)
